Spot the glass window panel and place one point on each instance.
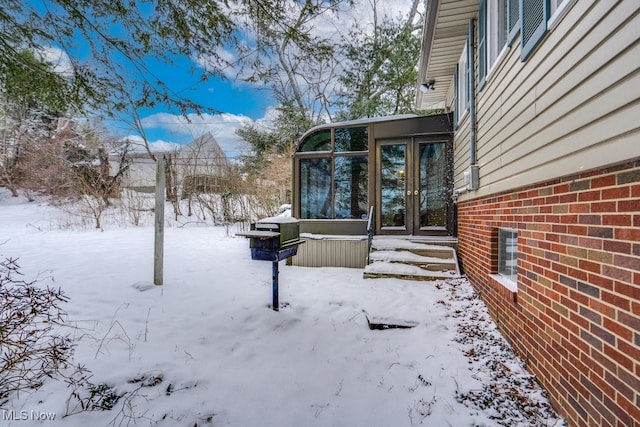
(393, 185)
(315, 188)
(508, 254)
(317, 141)
(497, 31)
(555, 5)
(513, 17)
(463, 83)
(351, 139)
(433, 188)
(350, 187)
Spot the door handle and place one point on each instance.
(408, 192)
(415, 193)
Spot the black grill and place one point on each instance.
(274, 239)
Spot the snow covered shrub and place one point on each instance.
(31, 344)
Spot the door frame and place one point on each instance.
(412, 186)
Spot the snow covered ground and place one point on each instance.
(205, 349)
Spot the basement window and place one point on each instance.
(508, 254)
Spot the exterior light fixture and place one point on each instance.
(427, 86)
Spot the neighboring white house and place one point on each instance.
(200, 161)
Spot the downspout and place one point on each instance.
(472, 95)
(472, 174)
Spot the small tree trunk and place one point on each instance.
(172, 184)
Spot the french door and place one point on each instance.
(412, 187)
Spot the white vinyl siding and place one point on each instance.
(573, 106)
(351, 253)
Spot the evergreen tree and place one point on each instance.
(380, 74)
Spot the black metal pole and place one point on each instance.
(275, 303)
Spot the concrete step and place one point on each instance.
(405, 257)
(411, 260)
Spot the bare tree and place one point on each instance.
(360, 69)
(95, 184)
(22, 131)
(292, 58)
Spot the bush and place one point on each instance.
(31, 344)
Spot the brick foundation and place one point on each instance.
(575, 318)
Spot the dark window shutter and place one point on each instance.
(513, 19)
(482, 44)
(533, 22)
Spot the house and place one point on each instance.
(140, 173)
(545, 97)
(202, 166)
(199, 166)
(532, 173)
(388, 176)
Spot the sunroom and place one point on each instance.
(382, 176)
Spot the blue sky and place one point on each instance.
(237, 102)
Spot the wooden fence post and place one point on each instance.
(158, 256)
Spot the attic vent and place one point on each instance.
(533, 15)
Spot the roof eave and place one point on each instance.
(428, 30)
(443, 39)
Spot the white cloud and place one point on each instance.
(137, 145)
(270, 116)
(221, 126)
(58, 59)
(225, 62)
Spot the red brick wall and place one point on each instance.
(575, 318)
